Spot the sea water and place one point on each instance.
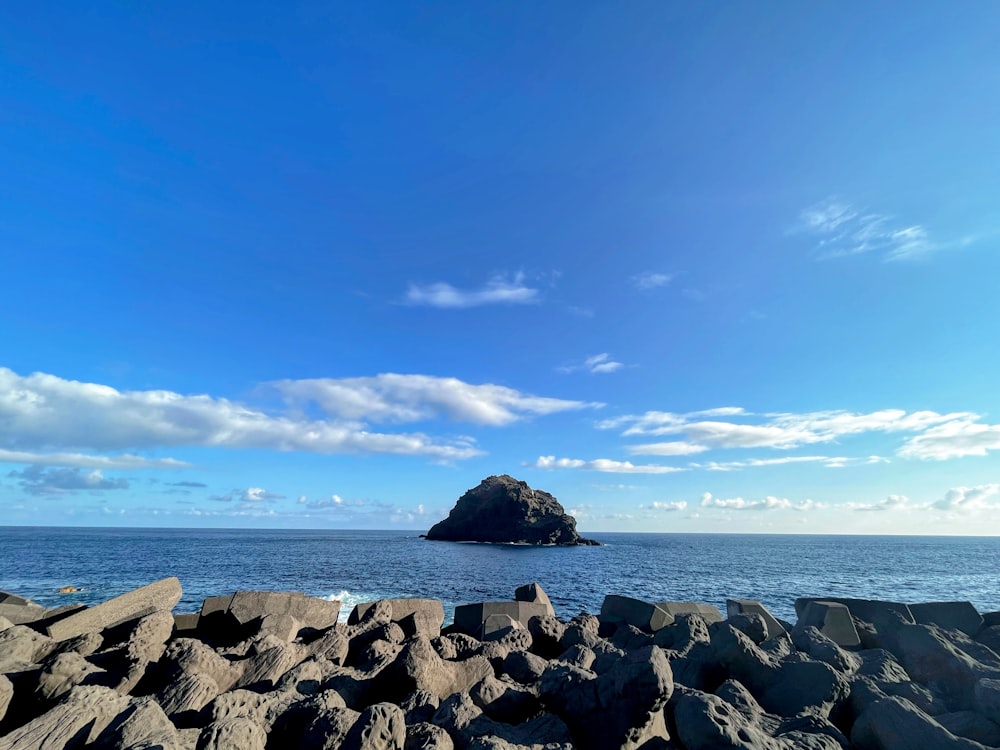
(355, 566)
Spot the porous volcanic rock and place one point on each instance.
(503, 510)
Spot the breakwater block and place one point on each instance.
(832, 620)
(161, 596)
(753, 607)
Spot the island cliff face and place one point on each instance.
(504, 510)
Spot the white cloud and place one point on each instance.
(831, 462)
(768, 503)
(498, 290)
(844, 229)
(651, 280)
(248, 495)
(892, 502)
(39, 480)
(976, 498)
(673, 448)
(961, 437)
(391, 397)
(83, 461)
(942, 435)
(595, 365)
(44, 415)
(601, 464)
(668, 506)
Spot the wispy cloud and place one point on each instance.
(248, 495)
(598, 364)
(601, 464)
(39, 480)
(651, 279)
(666, 507)
(981, 497)
(414, 398)
(83, 461)
(844, 229)
(502, 290)
(767, 503)
(831, 462)
(892, 502)
(937, 435)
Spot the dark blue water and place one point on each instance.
(364, 565)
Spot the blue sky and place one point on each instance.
(689, 267)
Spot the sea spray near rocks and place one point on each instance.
(275, 669)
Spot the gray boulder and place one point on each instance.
(707, 612)
(470, 618)
(229, 734)
(425, 616)
(187, 695)
(74, 722)
(896, 724)
(427, 736)
(20, 647)
(141, 726)
(379, 727)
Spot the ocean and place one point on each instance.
(356, 566)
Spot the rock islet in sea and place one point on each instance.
(267, 669)
(505, 510)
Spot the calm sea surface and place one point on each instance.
(364, 565)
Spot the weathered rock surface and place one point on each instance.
(655, 676)
(503, 510)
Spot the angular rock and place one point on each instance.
(75, 721)
(189, 656)
(264, 669)
(504, 701)
(643, 615)
(379, 727)
(524, 667)
(62, 673)
(469, 618)
(752, 606)
(971, 726)
(418, 667)
(20, 647)
(949, 615)
(161, 596)
(229, 734)
(621, 708)
(420, 706)
(426, 736)
(465, 722)
(187, 695)
(546, 635)
(896, 724)
(686, 632)
(810, 640)
(533, 593)
(19, 611)
(328, 729)
(310, 611)
(504, 510)
(833, 620)
(707, 612)
(429, 613)
(874, 611)
(141, 726)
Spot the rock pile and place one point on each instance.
(257, 670)
(504, 510)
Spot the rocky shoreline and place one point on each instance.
(262, 669)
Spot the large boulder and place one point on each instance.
(503, 510)
(161, 596)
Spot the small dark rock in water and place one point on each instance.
(503, 510)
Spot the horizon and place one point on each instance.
(689, 269)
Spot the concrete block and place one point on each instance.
(311, 612)
(403, 609)
(990, 619)
(186, 624)
(875, 611)
(961, 616)
(496, 626)
(707, 611)
(754, 607)
(19, 610)
(636, 612)
(161, 596)
(832, 620)
(215, 605)
(469, 618)
(534, 593)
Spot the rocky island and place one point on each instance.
(504, 510)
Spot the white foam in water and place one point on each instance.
(348, 601)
